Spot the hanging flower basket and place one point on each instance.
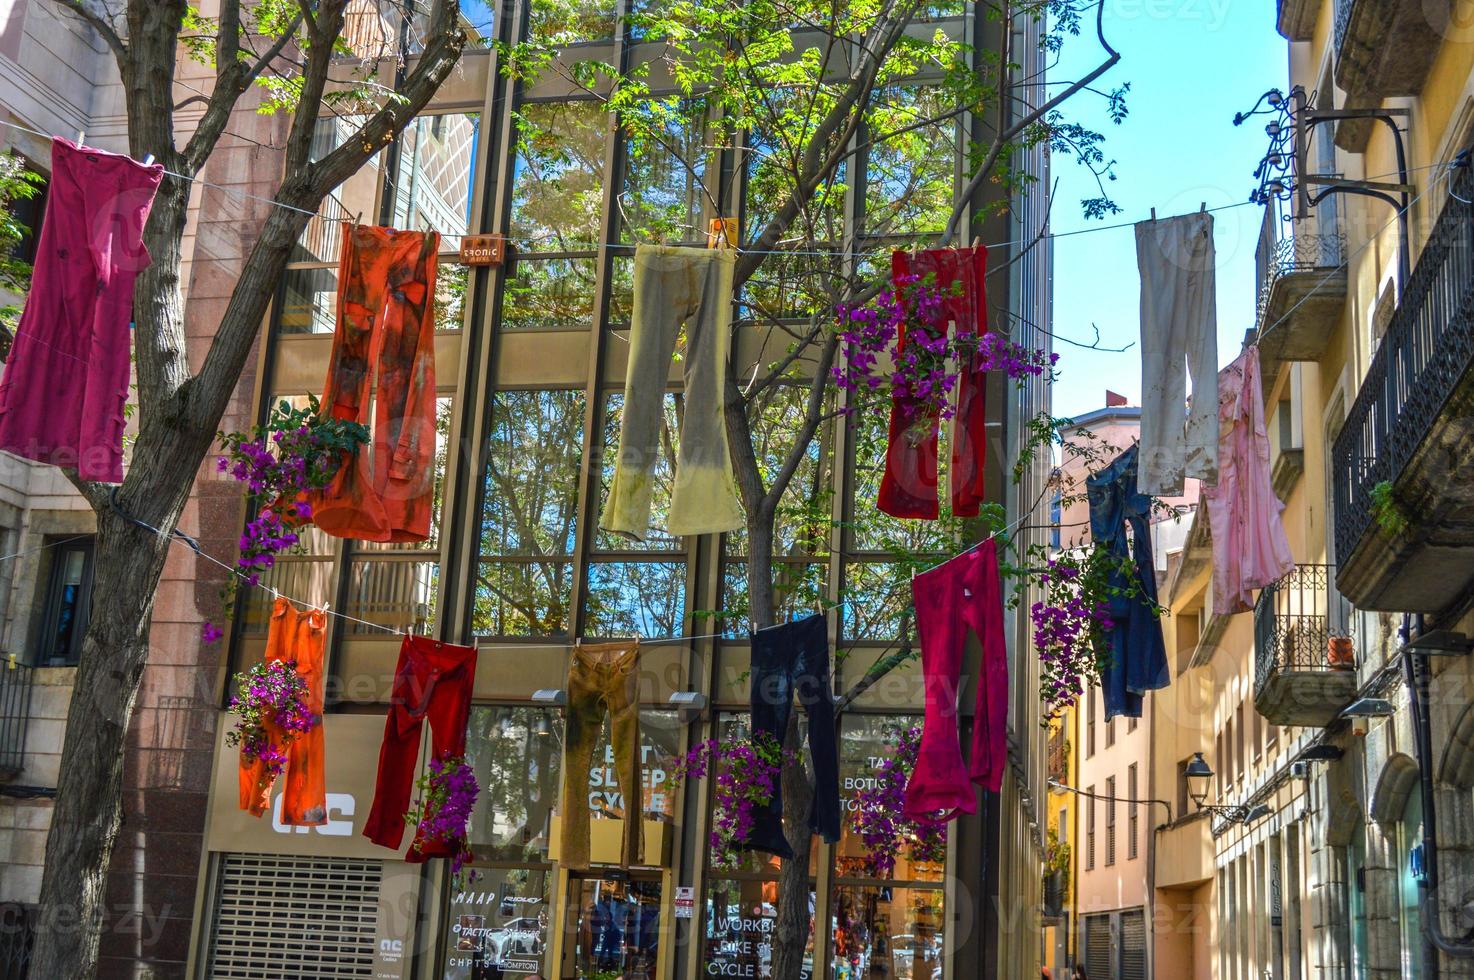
(271, 702)
(442, 812)
(879, 819)
(747, 775)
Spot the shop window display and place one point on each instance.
(619, 930)
(498, 925)
(741, 917)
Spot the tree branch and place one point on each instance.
(99, 22)
(307, 183)
(233, 76)
(1028, 119)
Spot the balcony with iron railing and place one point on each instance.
(1384, 49)
(1403, 462)
(1059, 756)
(1304, 668)
(1299, 265)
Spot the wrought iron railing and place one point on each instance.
(17, 939)
(15, 716)
(1428, 347)
(1343, 19)
(1059, 756)
(1312, 244)
(1294, 620)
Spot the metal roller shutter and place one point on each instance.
(294, 917)
(1133, 945)
(1098, 947)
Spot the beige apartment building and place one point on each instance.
(1323, 804)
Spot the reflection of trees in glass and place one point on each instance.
(550, 294)
(517, 753)
(664, 193)
(559, 22)
(558, 187)
(636, 598)
(450, 295)
(910, 179)
(529, 513)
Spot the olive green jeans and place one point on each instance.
(602, 678)
(677, 288)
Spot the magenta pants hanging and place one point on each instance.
(909, 487)
(65, 382)
(963, 594)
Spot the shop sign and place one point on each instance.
(482, 249)
(685, 901)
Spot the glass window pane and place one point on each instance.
(909, 180)
(741, 919)
(803, 519)
(559, 181)
(322, 239)
(309, 302)
(885, 933)
(664, 189)
(559, 22)
(522, 598)
(662, 479)
(450, 295)
(865, 741)
(792, 287)
(618, 932)
(550, 294)
(636, 598)
(433, 173)
(398, 595)
(798, 590)
(878, 593)
(517, 753)
(621, 290)
(530, 505)
(499, 924)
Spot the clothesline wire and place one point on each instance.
(616, 245)
(186, 177)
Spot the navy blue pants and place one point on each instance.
(787, 660)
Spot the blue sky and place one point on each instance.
(1192, 64)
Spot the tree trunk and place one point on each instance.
(792, 932)
(88, 810)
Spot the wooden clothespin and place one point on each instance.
(1203, 208)
(721, 233)
(976, 241)
(81, 136)
(1154, 214)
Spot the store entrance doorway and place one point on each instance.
(615, 930)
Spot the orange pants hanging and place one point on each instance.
(294, 636)
(384, 356)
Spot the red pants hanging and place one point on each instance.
(432, 681)
(386, 324)
(965, 593)
(909, 487)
